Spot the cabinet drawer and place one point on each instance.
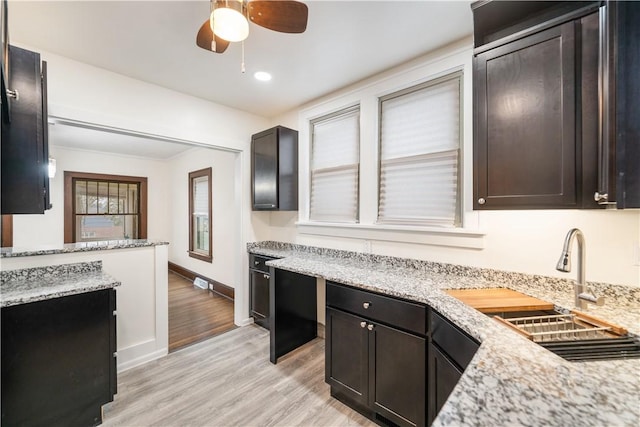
(455, 343)
(400, 314)
(257, 262)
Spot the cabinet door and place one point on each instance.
(264, 148)
(443, 377)
(24, 148)
(259, 282)
(398, 364)
(346, 355)
(524, 123)
(57, 360)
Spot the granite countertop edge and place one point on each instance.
(80, 247)
(510, 380)
(44, 283)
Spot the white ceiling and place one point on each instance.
(154, 41)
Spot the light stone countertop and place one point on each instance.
(510, 381)
(79, 247)
(42, 283)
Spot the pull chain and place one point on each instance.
(242, 69)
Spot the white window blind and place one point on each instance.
(419, 155)
(334, 167)
(201, 196)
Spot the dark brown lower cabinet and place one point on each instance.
(443, 377)
(59, 360)
(376, 369)
(450, 351)
(394, 361)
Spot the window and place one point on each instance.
(419, 154)
(335, 166)
(104, 207)
(200, 213)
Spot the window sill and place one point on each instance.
(436, 236)
(201, 257)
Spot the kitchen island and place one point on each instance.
(510, 380)
(58, 344)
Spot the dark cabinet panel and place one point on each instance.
(25, 149)
(398, 365)
(443, 377)
(259, 289)
(450, 352)
(58, 364)
(274, 169)
(627, 104)
(260, 297)
(346, 367)
(292, 311)
(524, 142)
(375, 368)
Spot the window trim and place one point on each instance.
(206, 172)
(69, 200)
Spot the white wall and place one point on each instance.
(226, 234)
(85, 93)
(523, 241)
(48, 229)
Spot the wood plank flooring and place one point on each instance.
(229, 381)
(195, 314)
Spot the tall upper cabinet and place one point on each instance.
(553, 103)
(24, 147)
(274, 170)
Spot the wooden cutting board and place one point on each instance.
(496, 300)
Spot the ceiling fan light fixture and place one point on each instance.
(229, 24)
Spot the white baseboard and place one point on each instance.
(139, 354)
(245, 322)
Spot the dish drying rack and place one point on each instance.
(574, 326)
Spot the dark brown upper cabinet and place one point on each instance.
(274, 170)
(545, 107)
(626, 123)
(25, 146)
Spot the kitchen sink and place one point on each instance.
(575, 336)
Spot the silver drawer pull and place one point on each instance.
(256, 262)
(266, 276)
(366, 305)
(363, 324)
(370, 327)
(481, 201)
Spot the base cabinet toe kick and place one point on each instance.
(392, 360)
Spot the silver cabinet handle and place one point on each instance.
(115, 354)
(601, 198)
(363, 324)
(481, 201)
(370, 327)
(266, 276)
(115, 313)
(256, 262)
(366, 305)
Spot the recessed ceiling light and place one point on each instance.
(263, 76)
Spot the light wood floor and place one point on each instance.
(229, 381)
(195, 314)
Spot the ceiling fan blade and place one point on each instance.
(205, 37)
(285, 16)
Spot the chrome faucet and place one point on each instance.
(583, 294)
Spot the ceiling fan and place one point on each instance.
(229, 20)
